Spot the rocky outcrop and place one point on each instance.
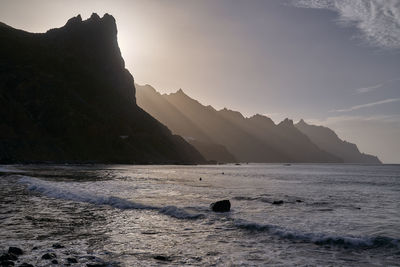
(65, 96)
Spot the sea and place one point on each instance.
(159, 215)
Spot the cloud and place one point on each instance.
(377, 20)
(389, 100)
(374, 87)
(369, 89)
(346, 118)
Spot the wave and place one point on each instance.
(320, 238)
(49, 189)
(9, 169)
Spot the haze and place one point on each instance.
(334, 63)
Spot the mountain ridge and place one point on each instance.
(66, 96)
(282, 142)
(327, 139)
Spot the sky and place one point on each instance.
(331, 62)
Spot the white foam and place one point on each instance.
(318, 238)
(61, 190)
(10, 169)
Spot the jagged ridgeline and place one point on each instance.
(226, 135)
(65, 96)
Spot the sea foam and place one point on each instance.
(60, 190)
(319, 238)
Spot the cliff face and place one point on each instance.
(65, 96)
(327, 139)
(255, 139)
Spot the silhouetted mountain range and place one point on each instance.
(65, 96)
(327, 140)
(254, 139)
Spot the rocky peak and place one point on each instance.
(180, 92)
(93, 39)
(286, 122)
(74, 21)
(236, 115)
(302, 122)
(258, 118)
(106, 23)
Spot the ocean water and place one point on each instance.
(121, 215)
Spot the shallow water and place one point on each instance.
(127, 215)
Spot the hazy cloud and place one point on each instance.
(346, 118)
(389, 100)
(369, 88)
(374, 87)
(377, 20)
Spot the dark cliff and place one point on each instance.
(65, 96)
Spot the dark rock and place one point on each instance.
(277, 202)
(67, 94)
(162, 258)
(57, 246)
(221, 206)
(15, 251)
(200, 179)
(49, 256)
(299, 200)
(72, 260)
(7, 263)
(96, 265)
(54, 261)
(8, 257)
(26, 265)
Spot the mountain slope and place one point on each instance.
(255, 139)
(327, 139)
(165, 112)
(65, 96)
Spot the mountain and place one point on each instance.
(255, 139)
(327, 140)
(65, 96)
(161, 109)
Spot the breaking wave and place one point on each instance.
(50, 189)
(320, 238)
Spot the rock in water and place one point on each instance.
(221, 206)
(57, 246)
(7, 263)
(49, 256)
(15, 251)
(72, 260)
(161, 258)
(8, 257)
(277, 202)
